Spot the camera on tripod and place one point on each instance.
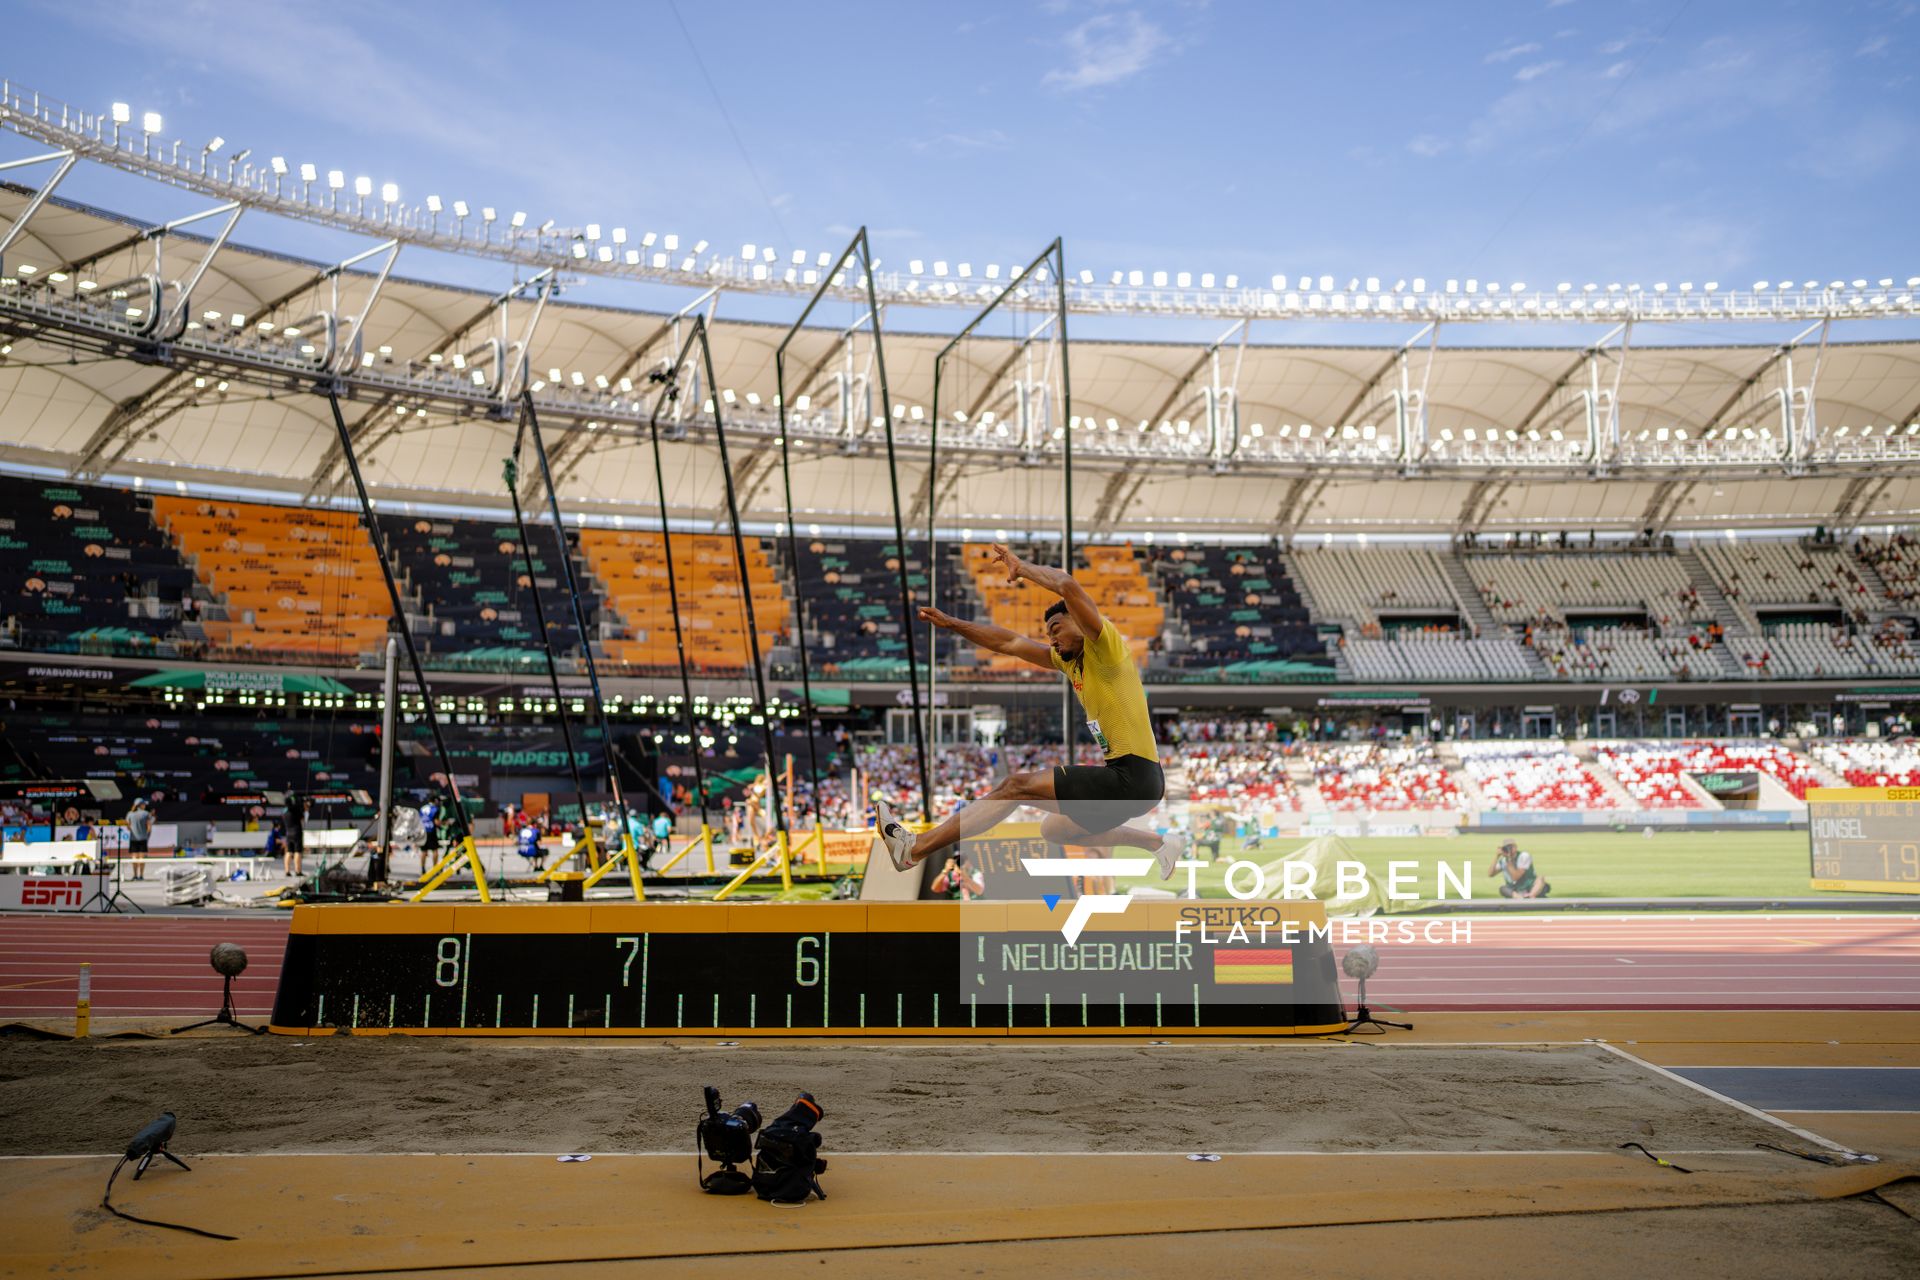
(786, 1157)
(727, 1139)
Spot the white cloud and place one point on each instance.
(1615, 70)
(1512, 51)
(1612, 47)
(1535, 71)
(1107, 49)
(1427, 144)
(1872, 48)
(979, 140)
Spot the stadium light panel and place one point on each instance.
(336, 179)
(213, 147)
(122, 113)
(459, 208)
(363, 186)
(1136, 278)
(1086, 277)
(390, 192)
(1233, 282)
(1159, 279)
(517, 221)
(488, 213)
(433, 204)
(1206, 280)
(150, 122)
(579, 248)
(1326, 284)
(700, 246)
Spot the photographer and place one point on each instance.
(1522, 879)
(954, 881)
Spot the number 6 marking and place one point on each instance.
(806, 968)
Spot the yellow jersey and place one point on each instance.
(1108, 685)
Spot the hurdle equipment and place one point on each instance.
(442, 871)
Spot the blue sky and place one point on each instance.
(1551, 140)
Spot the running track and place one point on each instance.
(156, 966)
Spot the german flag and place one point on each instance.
(1253, 966)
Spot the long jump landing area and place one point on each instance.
(1481, 1141)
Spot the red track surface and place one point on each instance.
(156, 966)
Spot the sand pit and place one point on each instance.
(366, 1094)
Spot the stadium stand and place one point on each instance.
(1792, 573)
(1895, 560)
(1436, 655)
(89, 571)
(471, 580)
(849, 596)
(293, 580)
(1238, 773)
(1812, 650)
(1651, 771)
(632, 566)
(1518, 776)
(1539, 588)
(1623, 653)
(1238, 612)
(1871, 762)
(1385, 779)
(196, 765)
(1358, 585)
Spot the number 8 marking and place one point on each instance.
(447, 972)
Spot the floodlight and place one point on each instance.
(546, 226)
(1159, 279)
(213, 148)
(279, 164)
(389, 192)
(122, 113)
(747, 252)
(517, 221)
(1326, 284)
(308, 173)
(940, 269)
(670, 243)
(579, 248)
(1206, 280)
(433, 204)
(363, 186)
(632, 257)
(1233, 282)
(336, 179)
(1711, 286)
(150, 122)
(593, 231)
(459, 208)
(1136, 278)
(1086, 277)
(1858, 284)
(488, 213)
(700, 246)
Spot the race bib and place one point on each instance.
(1093, 727)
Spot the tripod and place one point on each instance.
(109, 901)
(1364, 1018)
(224, 1017)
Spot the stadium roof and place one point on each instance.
(1418, 438)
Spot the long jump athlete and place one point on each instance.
(1088, 806)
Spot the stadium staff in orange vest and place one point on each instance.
(1089, 806)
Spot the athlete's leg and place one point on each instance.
(1011, 792)
(1059, 829)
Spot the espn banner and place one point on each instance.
(42, 893)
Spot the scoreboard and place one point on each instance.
(1865, 839)
(839, 968)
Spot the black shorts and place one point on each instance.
(1102, 797)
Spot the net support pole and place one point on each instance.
(781, 837)
(512, 477)
(462, 828)
(623, 837)
(858, 245)
(670, 392)
(1056, 254)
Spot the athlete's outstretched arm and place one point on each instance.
(990, 636)
(1085, 612)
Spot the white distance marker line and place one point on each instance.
(1715, 1094)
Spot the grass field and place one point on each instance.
(1586, 864)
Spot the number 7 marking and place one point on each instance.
(626, 970)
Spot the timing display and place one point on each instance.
(1865, 839)
(805, 968)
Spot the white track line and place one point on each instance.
(1715, 1094)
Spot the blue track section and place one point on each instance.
(1814, 1088)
